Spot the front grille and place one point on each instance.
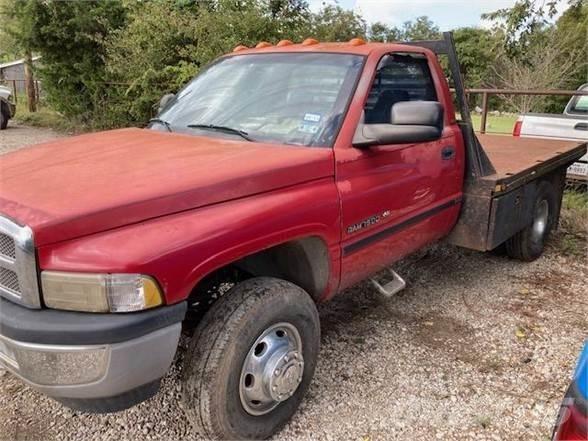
(9, 280)
(7, 247)
(18, 265)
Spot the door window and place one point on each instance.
(400, 77)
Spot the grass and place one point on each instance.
(43, 117)
(572, 236)
(496, 124)
(574, 216)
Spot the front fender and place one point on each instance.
(179, 250)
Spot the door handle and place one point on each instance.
(581, 126)
(447, 153)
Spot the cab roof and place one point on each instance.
(354, 47)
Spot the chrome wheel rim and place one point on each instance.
(540, 220)
(272, 370)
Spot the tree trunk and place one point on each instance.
(29, 82)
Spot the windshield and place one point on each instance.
(276, 98)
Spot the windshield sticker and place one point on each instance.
(311, 128)
(312, 117)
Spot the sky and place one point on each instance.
(447, 14)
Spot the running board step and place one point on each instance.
(391, 288)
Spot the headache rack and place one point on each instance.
(478, 163)
(502, 175)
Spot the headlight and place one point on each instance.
(99, 292)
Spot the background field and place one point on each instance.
(496, 124)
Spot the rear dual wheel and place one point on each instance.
(251, 360)
(529, 244)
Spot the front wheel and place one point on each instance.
(251, 360)
(528, 244)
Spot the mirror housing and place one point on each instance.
(165, 99)
(410, 122)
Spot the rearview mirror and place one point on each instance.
(410, 122)
(165, 99)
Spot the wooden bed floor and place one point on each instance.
(512, 155)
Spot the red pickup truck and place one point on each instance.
(278, 177)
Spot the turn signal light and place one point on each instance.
(240, 48)
(263, 44)
(310, 42)
(357, 42)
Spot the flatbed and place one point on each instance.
(515, 159)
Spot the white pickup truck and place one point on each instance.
(571, 125)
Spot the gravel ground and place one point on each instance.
(17, 135)
(477, 347)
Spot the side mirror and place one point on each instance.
(410, 121)
(165, 99)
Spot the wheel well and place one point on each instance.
(304, 262)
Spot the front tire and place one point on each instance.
(529, 244)
(251, 360)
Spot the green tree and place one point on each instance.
(420, 29)
(333, 23)
(19, 28)
(537, 54)
(520, 24)
(381, 32)
(71, 37)
(476, 53)
(189, 36)
(9, 45)
(572, 27)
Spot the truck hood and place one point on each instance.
(86, 184)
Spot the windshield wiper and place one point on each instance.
(162, 122)
(231, 130)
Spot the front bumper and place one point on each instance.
(91, 362)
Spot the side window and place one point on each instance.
(400, 77)
(579, 105)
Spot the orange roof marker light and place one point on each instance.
(357, 42)
(240, 48)
(284, 43)
(310, 42)
(263, 44)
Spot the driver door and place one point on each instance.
(396, 198)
